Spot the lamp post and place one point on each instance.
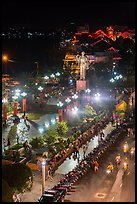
(60, 104)
(68, 100)
(4, 111)
(87, 95)
(5, 59)
(24, 103)
(75, 96)
(43, 176)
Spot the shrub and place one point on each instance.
(16, 146)
(37, 142)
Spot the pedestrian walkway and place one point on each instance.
(36, 191)
(69, 164)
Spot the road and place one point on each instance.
(99, 187)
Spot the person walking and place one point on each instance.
(84, 150)
(50, 174)
(96, 165)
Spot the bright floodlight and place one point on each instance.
(115, 73)
(87, 90)
(41, 130)
(97, 96)
(4, 100)
(40, 88)
(74, 110)
(53, 121)
(60, 104)
(75, 96)
(47, 125)
(68, 100)
(23, 94)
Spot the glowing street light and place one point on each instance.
(68, 100)
(43, 175)
(23, 94)
(5, 58)
(4, 100)
(52, 75)
(40, 88)
(46, 77)
(87, 91)
(75, 96)
(57, 74)
(75, 110)
(97, 96)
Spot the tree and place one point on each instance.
(37, 142)
(62, 128)
(7, 192)
(89, 110)
(18, 176)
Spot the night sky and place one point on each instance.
(53, 13)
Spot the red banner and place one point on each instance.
(15, 108)
(5, 112)
(60, 115)
(68, 112)
(24, 104)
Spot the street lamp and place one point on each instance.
(4, 101)
(68, 100)
(5, 59)
(43, 175)
(24, 103)
(75, 96)
(60, 104)
(87, 95)
(97, 96)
